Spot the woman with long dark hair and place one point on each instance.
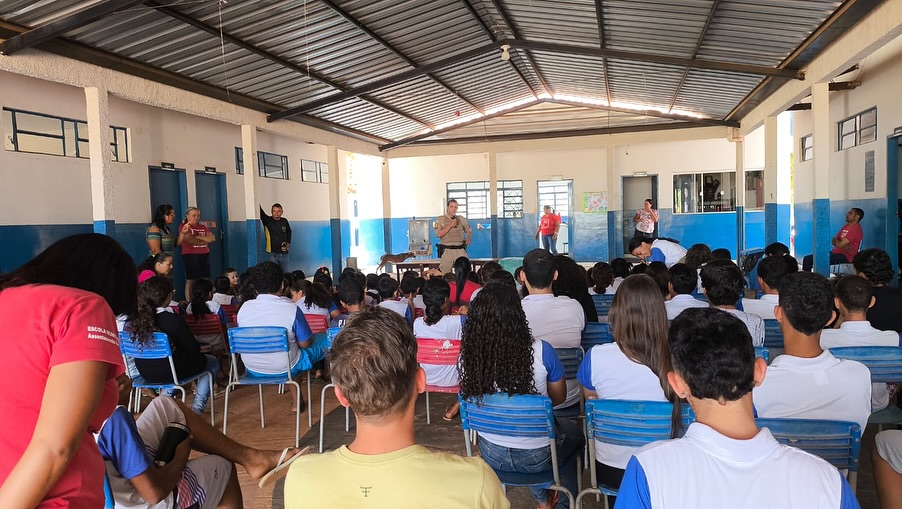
(572, 281)
(462, 287)
(159, 237)
(59, 340)
(499, 354)
(439, 323)
(634, 367)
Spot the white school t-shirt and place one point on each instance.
(398, 306)
(862, 334)
(680, 303)
(559, 321)
(822, 387)
(753, 322)
(612, 375)
(763, 307)
(450, 328)
(705, 469)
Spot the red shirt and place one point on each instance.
(854, 234)
(469, 288)
(548, 224)
(198, 230)
(42, 326)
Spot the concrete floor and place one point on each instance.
(244, 425)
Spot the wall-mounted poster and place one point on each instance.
(595, 202)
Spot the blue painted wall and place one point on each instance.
(716, 229)
(21, 243)
(370, 237)
(589, 237)
(754, 230)
(873, 226)
(516, 236)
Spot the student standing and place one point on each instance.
(277, 233)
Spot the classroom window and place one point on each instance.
(272, 166)
(510, 198)
(754, 190)
(472, 198)
(807, 147)
(314, 171)
(704, 192)
(37, 133)
(857, 129)
(239, 160)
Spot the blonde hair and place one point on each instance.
(189, 211)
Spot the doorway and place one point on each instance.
(635, 191)
(558, 194)
(170, 186)
(213, 204)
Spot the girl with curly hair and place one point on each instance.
(439, 323)
(499, 354)
(602, 279)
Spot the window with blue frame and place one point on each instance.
(39, 133)
(273, 166)
(239, 160)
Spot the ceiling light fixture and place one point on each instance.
(505, 52)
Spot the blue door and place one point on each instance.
(169, 186)
(212, 202)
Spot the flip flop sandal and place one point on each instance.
(553, 500)
(281, 468)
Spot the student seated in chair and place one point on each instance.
(351, 297)
(876, 266)
(374, 368)
(128, 449)
(683, 280)
(723, 283)
(808, 382)
(771, 270)
(853, 299)
(724, 460)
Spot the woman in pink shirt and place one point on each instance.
(194, 238)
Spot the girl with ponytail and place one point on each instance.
(462, 287)
(202, 303)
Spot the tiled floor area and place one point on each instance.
(244, 425)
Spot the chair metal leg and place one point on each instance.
(853, 482)
(428, 416)
(260, 391)
(225, 412)
(309, 399)
(297, 417)
(322, 414)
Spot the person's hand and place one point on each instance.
(285, 246)
(555, 235)
(537, 236)
(453, 223)
(185, 229)
(462, 310)
(467, 241)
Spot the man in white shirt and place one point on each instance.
(808, 382)
(854, 296)
(771, 270)
(722, 283)
(682, 284)
(557, 320)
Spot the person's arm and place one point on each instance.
(538, 229)
(556, 385)
(637, 217)
(288, 231)
(302, 333)
(584, 377)
(469, 232)
(654, 216)
(61, 425)
(557, 225)
(656, 256)
(264, 217)
(634, 492)
(156, 483)
(444, 231)
(154, 240)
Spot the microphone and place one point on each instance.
(453, 217)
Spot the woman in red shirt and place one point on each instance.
(462, 288)
(194, 238)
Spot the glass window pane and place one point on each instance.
(868, 134)
(868, 118)
(38, 124)
(239, 160)
(83, 150)
(847, 141)
(40, 144)
(8, 130)
(754, 190)
(847, 126)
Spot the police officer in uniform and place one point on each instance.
(454, 235)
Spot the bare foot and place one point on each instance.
(259, 462)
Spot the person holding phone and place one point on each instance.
(454, 235)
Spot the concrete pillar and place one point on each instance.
(824, 135)
(494, 209)
(98, 115)
(386, 205)
(251, 203)
(335, 186)
(740, 197)
(770, 180)
(615, 235)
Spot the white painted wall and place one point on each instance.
(301, 201)
(418, 183)
(363, 175)
(587, 168)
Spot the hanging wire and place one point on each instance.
(225, 68)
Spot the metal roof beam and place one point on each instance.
(387, 45)
(57, 28)
(231, 39)
(599, 20)
(385, 82)
(698, 47)
(483, 118)
(651, 113)
(532, 63)
(659, 59)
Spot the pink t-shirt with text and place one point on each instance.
(854, 235)
(198, 230)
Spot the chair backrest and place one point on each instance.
(773, 335)
(441, 352)
(521, 415)
(763, 352)
(231, 312)
(838, 442)
(419, 312)
(884, 362)
(317, 323)
(204, 324)
(631, 423)
(571, 358)
(157, 348)
(603, 303)
(254, 340)
(595, 333)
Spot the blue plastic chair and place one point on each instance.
(763, 352)
(571, 358)
(525, 415)
(261, 340)
(773, 335)
(885, 365)
(602, 304)
(627, 423)
(330, 335)
(108, 501)
(838, 442)
(158, 348)
(595, 333)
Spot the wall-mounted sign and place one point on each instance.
(640, 173)
(168, 166)
(869, 171)
(595, 202)
(209, 169)
(898, 130)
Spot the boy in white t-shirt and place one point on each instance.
(771, 270)
(388, 291)
(722, 283)
(683, 280)
(724, 460)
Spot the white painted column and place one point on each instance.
(494, 210)
(823, 139)
(740, 196)
(335, 185)
(770, 181)
(251, 203)
(615, 235)
(386, 205)
(101, 162)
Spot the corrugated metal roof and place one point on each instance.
(314, 51)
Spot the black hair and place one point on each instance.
(274, 205)
(621, 267)
(387, 287)
(298, 274)
(806, 299)
(346, 273)
(90, 261)
(875, 265)
(228, 270)
(150, 263)
(854, 292)
(658, 272)
(602, 277)
(572, 281)
(350, 292)
(315, 294)
(159, 217)
(462, 270)
(503, 277)
(435, 294)
(723, 282)
(697, 255)
(372, 281)
(246, 289)
(636, 242)
(771, 270)
(266, 277)
(639, 268)
(361, 278)
(859, 212)
(410, 285)
(287, 280)
(792, 265)
(776, 249)
(200, 294)
(721, 253)
(452, 200)
(486, 271)
(155, 292)
(539, 266)
(223, 285)
(409, 273)
(323, 279)
(712, 351)
(683, 278)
